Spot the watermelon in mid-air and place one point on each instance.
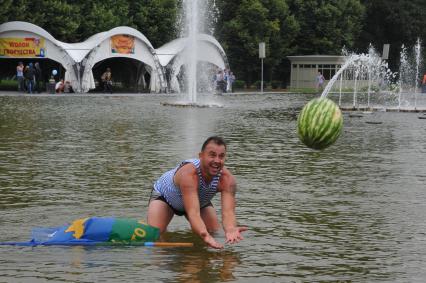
(319, 123)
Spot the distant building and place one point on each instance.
(304, 69)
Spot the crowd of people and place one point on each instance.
(30, 80)
(29, 77)
(223, 81)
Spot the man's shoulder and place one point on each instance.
(226, 177)
(226, 172)
(186, 169)
(186, 174)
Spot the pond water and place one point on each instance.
(355, 211)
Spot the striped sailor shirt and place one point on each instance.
(172, 194)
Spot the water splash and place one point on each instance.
(197, 17)
(417, 52)
(193, 24)
(369, 74)
(404, 74)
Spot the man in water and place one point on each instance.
(188, 190)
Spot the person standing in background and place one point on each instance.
(230, 82)
(30, 77)
(20, 76)
(38, 77)
(106, 79)
(320, 82)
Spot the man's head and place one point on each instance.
(212, 155)
(213, 139)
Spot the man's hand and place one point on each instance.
(211, 242)
(234, 235)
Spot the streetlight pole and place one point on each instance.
(261, 56)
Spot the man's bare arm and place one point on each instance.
(187, 180)
(229, 221)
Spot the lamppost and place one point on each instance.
(261, 56)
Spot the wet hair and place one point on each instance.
(214, 139)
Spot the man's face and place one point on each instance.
(212, 158)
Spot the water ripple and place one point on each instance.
(353, 212)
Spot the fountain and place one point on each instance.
(368, 76)
(193, 23)
(417, 52)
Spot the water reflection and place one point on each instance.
(207, 267)
(204, 266)
(199, 264)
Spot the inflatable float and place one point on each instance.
(98, 231)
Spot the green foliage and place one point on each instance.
(393, 22)
(5, 10)
(8, 84)
(56, 17)
(326, 26)
(303, 90)
(257, 85)
(275, 84)
(288, 27)
(75, 21)
(239, 84)
(244, 24)
(155, 19)
(373, 88)
(100, 16)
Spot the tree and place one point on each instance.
(326, 26)
(14, 10)
(100, 16)
(156, 19)
(251, 22)
(5, 10)
(393, 22)
(56, 17)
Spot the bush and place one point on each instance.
(257, 84)
(373, 88)
(7, 84)
(275, 84)
(239, 84)
(304, 90)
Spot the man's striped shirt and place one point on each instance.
(172, 194)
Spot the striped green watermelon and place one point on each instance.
(319, 123)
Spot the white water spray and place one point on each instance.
(417, 52)
(370, 74)
(192, 26)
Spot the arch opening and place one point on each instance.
(128, 75)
